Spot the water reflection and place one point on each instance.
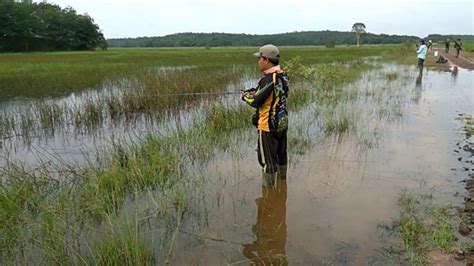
(342, 194)
(270, 228)
(454, 73)
(418, 89)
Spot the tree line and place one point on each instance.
(46, 27)
(443, 37)
(226, 39)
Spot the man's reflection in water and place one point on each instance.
(270, 228)
(454, 72)
(418, 89)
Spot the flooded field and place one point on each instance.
(177, 181)
(338, 195)
(70, 143)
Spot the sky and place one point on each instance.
(138, 18)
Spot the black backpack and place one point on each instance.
(279, 110)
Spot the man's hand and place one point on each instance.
(249, 93)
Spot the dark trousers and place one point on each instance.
(420, 62)
(420, 65)
(457, 52)
(271, 150)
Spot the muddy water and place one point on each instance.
(337, 194)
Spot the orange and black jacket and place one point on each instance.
(267, 98)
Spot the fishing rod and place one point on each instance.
(455, 41)
(202, 93)
(192, 94)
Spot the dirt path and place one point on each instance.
(460, 61)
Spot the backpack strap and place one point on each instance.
(274, 101)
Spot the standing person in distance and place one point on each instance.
(429, 45)
(457, 46)
(421, 55)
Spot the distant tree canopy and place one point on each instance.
(38, 27)
(330, 43)
(226, 39)
(359, 29)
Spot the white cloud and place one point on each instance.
(125, 18)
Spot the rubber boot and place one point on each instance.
(268, 180)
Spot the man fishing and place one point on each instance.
(421, 54)
(271, 116)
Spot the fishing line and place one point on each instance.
(192, 94)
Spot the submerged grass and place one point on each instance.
(40, 75)
(423, 226)
(133, 82)
(43, 218)
(468, 124)
(146, 94)
(361, 108)
(155, 164)
(123, 246)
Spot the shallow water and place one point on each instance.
(338, 191)
(337, 194)
(68, 146)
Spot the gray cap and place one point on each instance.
(268, 51)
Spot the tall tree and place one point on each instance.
(36, 27)
(358, 28)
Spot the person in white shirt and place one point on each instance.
(421, 54)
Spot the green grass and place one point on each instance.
(39, 215)
(42, 75)
(422, 225)
(412, 231)
(468, 124)
(155, 164)
(123, 245)
(146, 81)
(148, 93)
(468, 46)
